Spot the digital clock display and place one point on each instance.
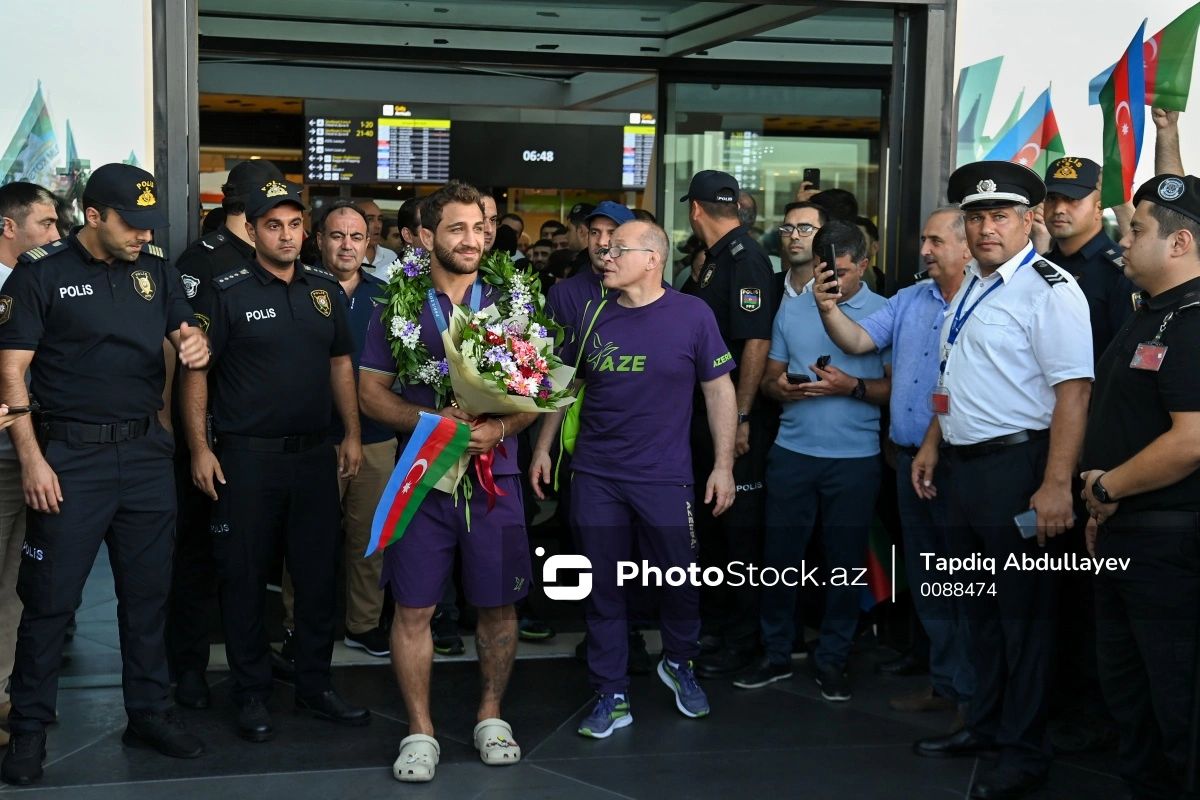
(537, 155)
(548, 156)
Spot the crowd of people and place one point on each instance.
(1032, 395)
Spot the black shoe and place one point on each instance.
(902, 667)
(834, 683)
(638, 660)
(724, 664)
(709, 644)
(23, 761)
(762, 674)
(329, 706)
(963, 743)
(581, 650)
(374, 641)
(254, 722)
(283, 663)
(531, 629)
(191, 690)
(164, 732)
(446, 640)
(1006, 782)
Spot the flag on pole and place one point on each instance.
(33, 152)
(1168, 57)
(1034, 141)
(436, 445)
(1123, 126)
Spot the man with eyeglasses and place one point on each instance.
(801, 221)
(738, 284)
(632, 476)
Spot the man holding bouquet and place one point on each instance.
(632, 472)
(496, 568)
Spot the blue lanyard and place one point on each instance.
(436, 308)
(960, 319)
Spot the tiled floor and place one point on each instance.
(783, 741)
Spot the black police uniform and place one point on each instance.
(97, 332)
(1148, 614)
(737, 283)
(189, 613)
(1100, 272)
(271, 403)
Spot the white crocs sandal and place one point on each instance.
(419, 756)
(494, 741)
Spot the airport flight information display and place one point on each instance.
(637, 148)
(377, 150)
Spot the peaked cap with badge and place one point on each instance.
(1073, 177)
(712, 186)
(995, 184)
(131, 192)
(272, 193)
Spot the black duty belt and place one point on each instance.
(911, 451)
(1137, 521)
(88, 433)
(255, 444)
(968, 451)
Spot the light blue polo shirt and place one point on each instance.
(827, 427)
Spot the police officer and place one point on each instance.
(189, 614)
(281, 360)
(1142, 488)
(1011, 403)
(87, 317)
(578, 238)
(737, 283)
(1074, 218)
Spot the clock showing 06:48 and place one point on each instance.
(537, 155)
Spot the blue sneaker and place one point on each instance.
(689, 697)
(608, 715)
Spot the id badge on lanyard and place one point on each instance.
(1149, 355)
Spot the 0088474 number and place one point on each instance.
(949, 589)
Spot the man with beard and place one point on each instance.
(490, 219)
(86, 317)
(801, 221)
(282, 351)
(578, 238)
(495, 552)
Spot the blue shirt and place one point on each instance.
(827, 427)
(910, 323)
(359, 308)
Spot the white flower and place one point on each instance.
(407, 331)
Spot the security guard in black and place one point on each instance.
(1143, 488)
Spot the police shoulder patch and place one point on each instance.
(320, 273)
(5, 308)
(1049, 273)
(750, 299)
(154, 250)
(38, 253)
(231, 278)
(213, 240)
(1116, 258)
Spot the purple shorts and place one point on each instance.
(495, 552)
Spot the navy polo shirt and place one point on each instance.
(359, 308)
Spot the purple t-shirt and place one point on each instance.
(566, 299)
(377, 357)
(640, 367)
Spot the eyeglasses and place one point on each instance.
(804, 229)
(617, 252)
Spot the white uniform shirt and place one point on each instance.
(1024, 338)
(383, 258)
(6, 447)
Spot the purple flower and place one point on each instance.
(529, 309)
(412, 269)
(443, 367)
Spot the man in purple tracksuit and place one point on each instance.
(632, 472)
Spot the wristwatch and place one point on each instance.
(743, 418)
(1100, 493)
(859, 391)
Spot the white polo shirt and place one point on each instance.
(1024, 338)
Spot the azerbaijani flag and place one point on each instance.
(1034, 141)
(436, 445)
(1168, 57)
(1123, 127)
(881, 579)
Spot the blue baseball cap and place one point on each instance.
(614, 211)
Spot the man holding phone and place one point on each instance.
(1011, 402)
(826, 456)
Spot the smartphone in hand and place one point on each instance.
(829, 257)
(823, 362)
(796, 379)
(812, 177)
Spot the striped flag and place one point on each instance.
(436, 445)
(1168, 57)
(33, 152)
(1123, 127)
(1034, 141)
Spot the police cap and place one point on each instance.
(1180, 194)
(712, 186)
(247, 176)
(131, 192)
(579, 213)
(614, 211)
(1072, 177)
(995, 184)
(272, 193)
